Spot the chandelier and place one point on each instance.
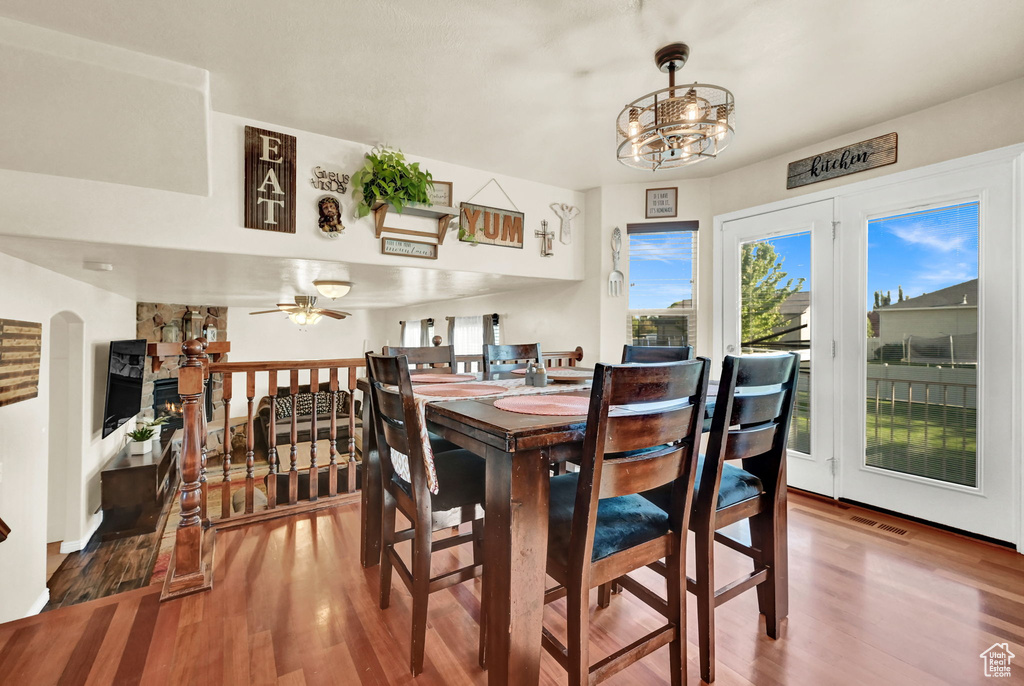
(678, 125)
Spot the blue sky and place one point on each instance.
(922, 251)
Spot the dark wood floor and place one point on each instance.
(291, 605)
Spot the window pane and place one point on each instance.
(922, 329)
(775, 313)
(664, 329)
(661, 272)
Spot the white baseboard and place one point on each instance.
(74, 546)
(40, 603)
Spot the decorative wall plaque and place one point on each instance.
(329, 209)
(330, 181)
(490, 226)
(20, 353)
(441, 194)
(661, 202)
(858, 157)
(269, 180)
(398, 246)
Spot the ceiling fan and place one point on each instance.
(303, 311)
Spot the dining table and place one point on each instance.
(519, 450)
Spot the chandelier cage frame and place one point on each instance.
(675, 126)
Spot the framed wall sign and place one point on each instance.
(661, 203)
(20, 354)
(269, 180)
(399, 246)
(490, 226)
(858, 157)
(441, 194)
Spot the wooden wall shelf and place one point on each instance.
(443, 215)
(161, 351)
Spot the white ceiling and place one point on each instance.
(155, 275)
(531, 88)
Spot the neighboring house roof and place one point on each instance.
(796, 303)
(951, 296)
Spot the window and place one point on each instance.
(417, 333)
(662, 278)
(469, 334)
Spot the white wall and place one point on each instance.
(30, 293)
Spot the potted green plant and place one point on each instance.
(387, 176)
(141, 439)
(155, 424)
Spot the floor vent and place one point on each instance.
(863, 520)
(893, 529)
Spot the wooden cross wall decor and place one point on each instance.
(20, 354)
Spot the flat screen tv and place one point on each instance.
(124, 383)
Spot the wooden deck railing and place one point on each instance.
(190, 567)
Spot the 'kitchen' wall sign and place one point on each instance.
(858, 157)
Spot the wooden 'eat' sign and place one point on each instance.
(490, 225)
(269, 180)
(858, 157)
(20, 351)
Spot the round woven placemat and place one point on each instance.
(549, 405)
(442, 378)
(462, 390)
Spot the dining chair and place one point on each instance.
(428, 358)
(505, 358)
(406, 475)
(646, 354)
(752, 416)
(643, 432)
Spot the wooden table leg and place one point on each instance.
(372, 497)
(515, 546)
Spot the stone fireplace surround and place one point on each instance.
(150, 320)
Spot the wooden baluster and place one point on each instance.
(189, 569)
(250, 455)
(314, 481)
(332, 473)
(204, 434)
(272, 441)
(293, 472)
(225, 487)
(351, 485)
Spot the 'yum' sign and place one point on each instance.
(490, 225)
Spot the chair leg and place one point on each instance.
(387, 544)
(577, 614)
(478, 558)
(676, 582)
(705, 596)
(768, 533)
(421, 549)
(604, 595)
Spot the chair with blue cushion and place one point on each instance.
(642, 432)
(458, 499)
(430, 359)
(752, 415)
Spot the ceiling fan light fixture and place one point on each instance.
(675, 126)
(333, 289)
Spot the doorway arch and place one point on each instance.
(66, 359)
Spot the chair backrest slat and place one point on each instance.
(747, 443)
(506, 358)
(648, 354)
(631, 433)
(440, 357)
(757, 408)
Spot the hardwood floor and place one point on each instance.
(291, 605)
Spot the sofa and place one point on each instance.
(282, 406)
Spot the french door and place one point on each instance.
(777, 295)
(925, 413)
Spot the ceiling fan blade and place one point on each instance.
(333, 314)
(267, 312)
(287, 306)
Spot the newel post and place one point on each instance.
(191, 566)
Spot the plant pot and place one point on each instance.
(142, 447)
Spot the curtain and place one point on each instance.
(467, 334)
(417, 333)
